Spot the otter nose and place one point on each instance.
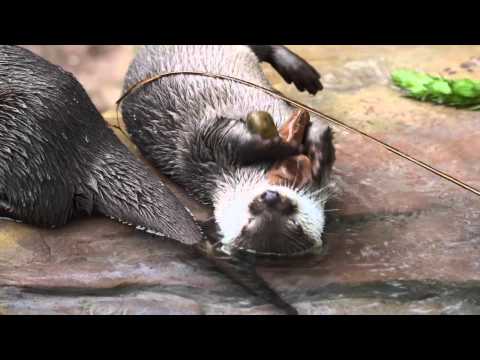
(270, 197)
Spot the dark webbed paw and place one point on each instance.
(258, 149)
(320, 149)
(294, 69)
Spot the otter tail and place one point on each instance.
(124, 189)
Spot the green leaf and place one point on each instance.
(409, 78)
(441, 87)
(418, 91)
(465, 88)
(421, 86)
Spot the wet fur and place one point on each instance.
(192, 128)
(59, 159)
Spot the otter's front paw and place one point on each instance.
(259, 149)
(320, 150)
(294, 69)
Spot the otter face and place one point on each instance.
(271, 220)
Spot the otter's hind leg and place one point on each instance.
(290, 66)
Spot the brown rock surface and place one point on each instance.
(399, 239)
(95, 266)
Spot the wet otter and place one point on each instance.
(193, 130)
(59, 159)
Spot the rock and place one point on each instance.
(110, 268)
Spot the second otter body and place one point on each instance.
(59, 159)
(193, 129)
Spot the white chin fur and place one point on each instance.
(233, 199)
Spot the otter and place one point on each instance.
(193, 129)
(59, 159)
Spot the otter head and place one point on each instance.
(280, 210)
(270, 220)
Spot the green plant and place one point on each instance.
(464, 93)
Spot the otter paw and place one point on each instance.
(276, 148)
(294, 69)
(260, 150)
(321, 152)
